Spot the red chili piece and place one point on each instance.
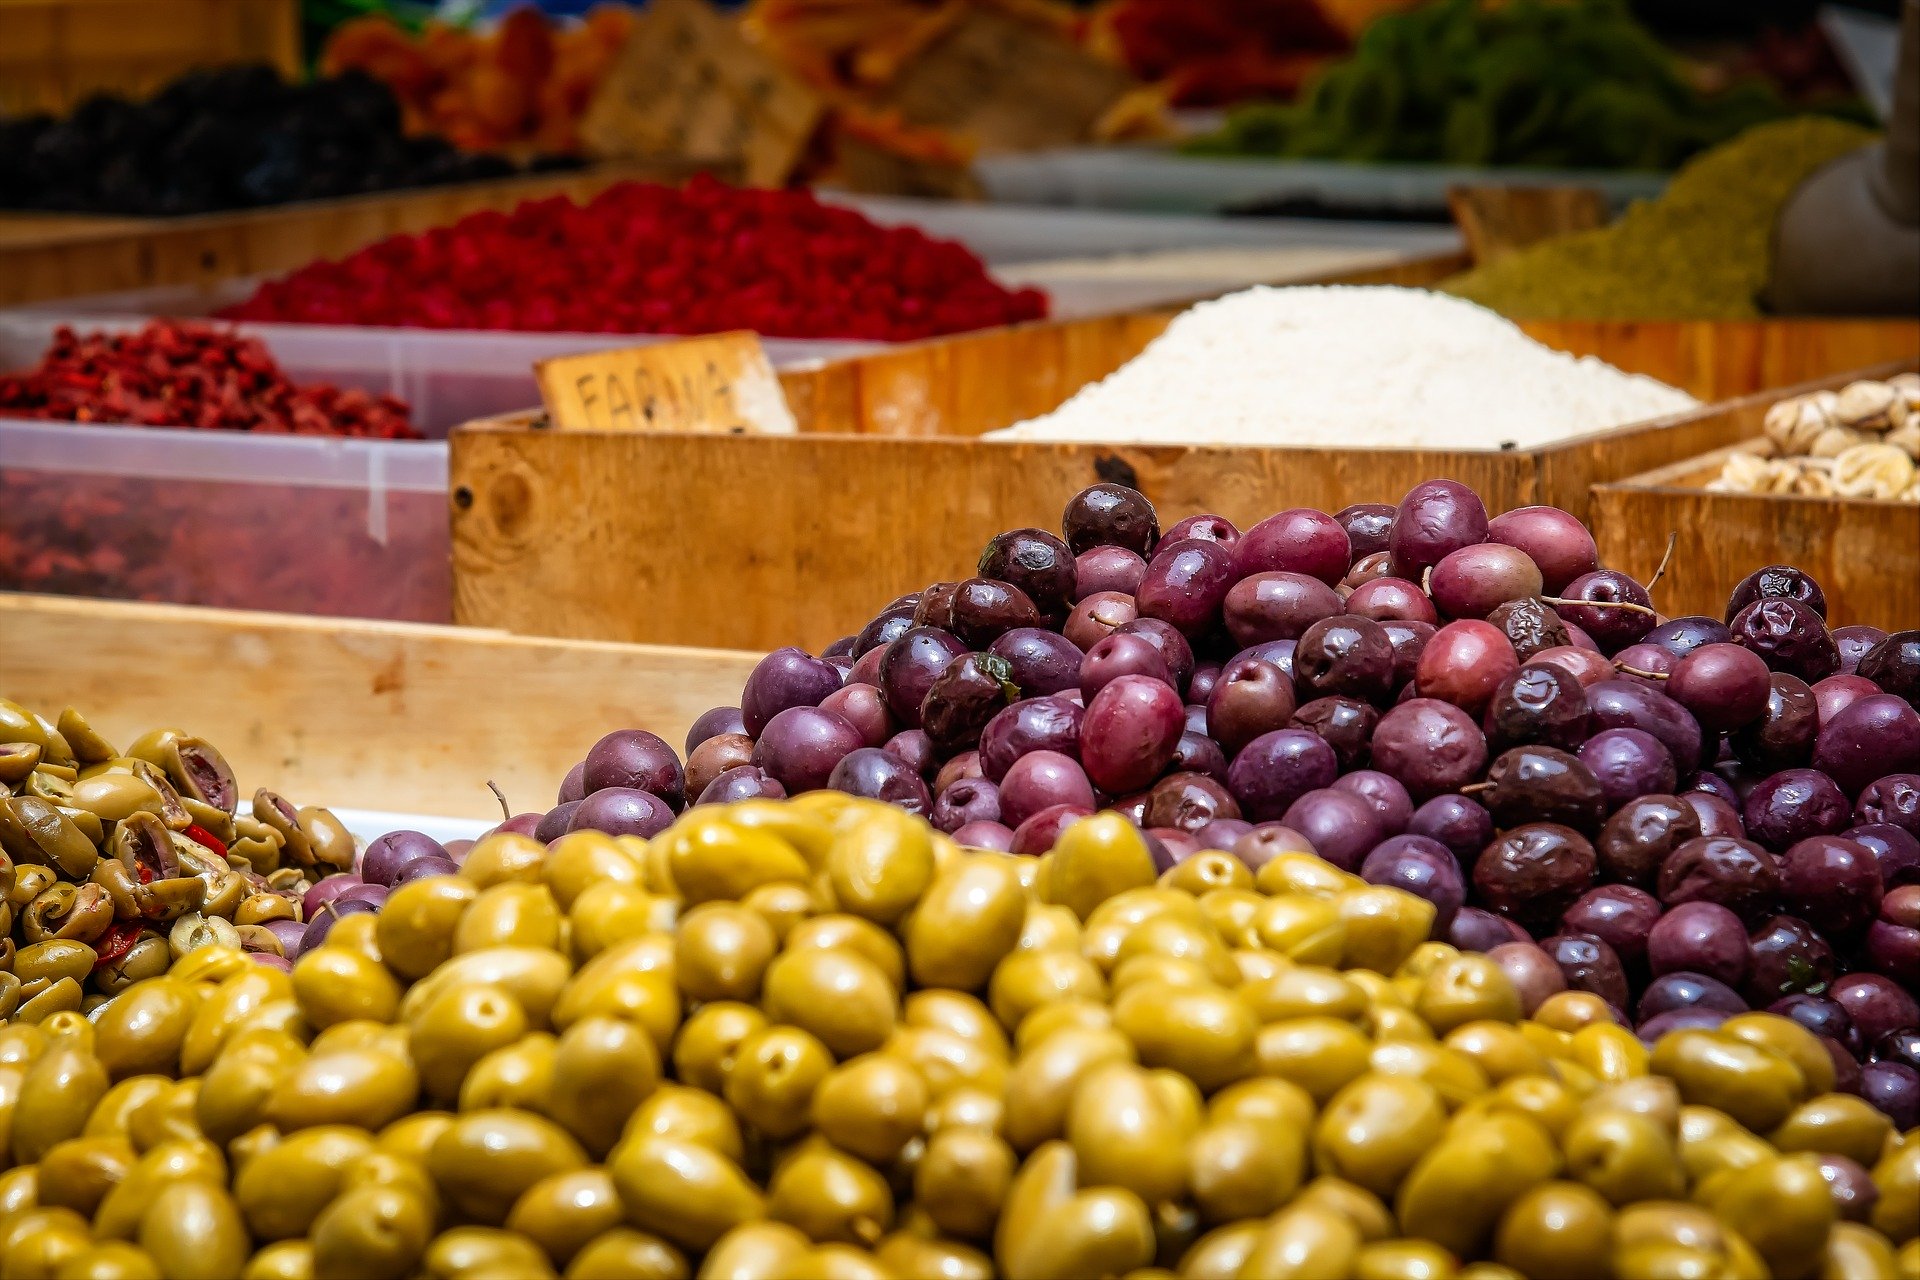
(113, 945)
(640, 258)
(207, 838)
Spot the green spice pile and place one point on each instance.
(1702, 251)
(1546, 83)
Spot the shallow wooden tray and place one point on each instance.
(1864, 554)
(373, 715)
(755, 542)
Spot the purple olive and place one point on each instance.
(574, 785)
(1034, 724)
(556, 822)
(1787, 956)
(1609, 606)
(422, 868)
(1895, 850)
(910, 666)
(1368, 525)
(1640, 836)
(1041, 832)
(1391, 600)
(963, 700)
(1589, 964)
(1203, 527)
(984, 835)
(1197, 753)
(1789, 636)
(1694, 1018)
(1429, 747)
(1535, 975)
(1250, 698)
(1620, 704)
(801, 745)
(1681, 636)
(289, 933)
(1435, 518)
(388, 855)
(1097, 617)
(1820, 1015)
(321, 922)
(742, 782)
(1673, 991)
(1100, 569)
(1628, 763)
(1534, 872)
(1476, 930)
(1035, 563)
(1777, 582)
(1834, 883)
(1122, 654)
(712, 724)
(624, 811)
(1384, 795)
(1893, 800)
(1222, 833)
(1042, 780)
(1462, 824)
(1346, 656)
(1039, 662)
(1342, 826)
(1871, 738)
(1276, 606)
(1854, 643)
(1187, 802)
(1474, 581)
(966, 800)
(1700, 937)
(1793, 804)
(1893, 1087)
(1894, 665)
(1299, 540)
(1423, 867)
(1783, 735)
(1185, 585)
(1346, 723)
(1539, 702)
(1174, 648)
(1737, 874)
(984, 610)
(880, 775)
(1555, 540)
(1877, 1005)
(785, 678)
(1110, 515)
(913, 746)
(864, 708)
(1277, 768)
(327, 888)
(1618, 914)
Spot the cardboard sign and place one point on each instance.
(688, 87)
(1007, 84)
(718, 385)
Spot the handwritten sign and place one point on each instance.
(722, 384)
(1007, 84)
(689, 87)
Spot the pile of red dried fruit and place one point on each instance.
(651, 259)
(175, 373)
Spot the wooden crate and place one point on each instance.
(1864, 554)
(754, 542)
(388, 716)
(54, 53)
(62, 256)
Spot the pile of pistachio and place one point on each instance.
(113, 864)
(1862, 441)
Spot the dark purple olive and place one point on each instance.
(1793, 804)
(1609, 606)
(1189, 802)
(880, 775)
(628, 811)
(1837, 692)
(574, 785)
(1893, 1087)
(1039, 662)
(1429, 747)
(1345, 656)
(910, 666)
(1674, 991)
(1200, 686)
(717, 755)
(321, 923)
(1588, 666)
(1789, 636)
(327, 888)
(1697, 1018)
(1173, 646)
(1871, 738)
(1713, 784)
(1777, 582)
(1346, 723)
(1476, 930)
(1589, 964)
(785, 678)
(1877, 1005)
(1122, 654)
(1820, 1015)
(1895, 850)
(1409, 640)
(1249, 698)
(1681, 636)
(1531, 627)
(885, 628)
(1853, 643)
(1640, 836)
(1275, 606)
(1277, 768)
(711, 724)
(1197, 753)
(964, 765)
(1645, 664)
(1133, 808)
(1465, 663)
(1368, 525)
(388, 855)
(1534, 974)
(1298, 540)
(1539, 703)
(1619, 915)
(864, 707)
(1196, 718)
(1700, 937)
(1098, 616)
(421, 868)
(1042, 780)
(1203, 527)
(1463, 825)
(1621, 704)
(984, 835)
(1716, 815)
(1035, 563)
(866, 668)
(1113, 569)
(1783, 735)
(374, 893)
(1787, 956)
(1628, 764)
(1834, 883)
(1725, 686)
(913, 746)
(1555, 540)
(1129, 733)
(1389, 800)
(984, 610)
(966, 800)
(935, 608)
(1899, 1046)
(1034, 724)
(1422, 867)
(964, 700)
(1041, 832)
(841, 648)
(1737, 874)
(1894, 665)
(1893, 800)
(1543, 784)
(1110, 515)
(801, 745)
(556, 823)
(1185, 585)
(1342, 826)
(1474, 581)
(1386, 599)
(1533, 873)
(1435, 518)
(1370, 568)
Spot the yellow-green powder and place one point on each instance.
(1702, 251)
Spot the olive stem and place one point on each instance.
(505, 811)
(1628, 605)
(1635, 671)
(1474, 787)
(1673, 540)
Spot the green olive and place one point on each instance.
(709, 1043)
(1374, 1130)
(416, 924)
(1304, 929)
(368, 1087)
(505, 858)
(412, 1137)
(713, 858)
(872, 1106)
(962, 1180)
(969, 919)
(140, 1031)
(225, 1009)
(463, 1251)
(965, 1108)
(1025, 980)
(682, 1192)
(193, 1230)
(1557, 1231)
(19, 1190)
(630, 980)
(1305, 991)
(602, 1070)
(1049, 928)
(721, 952)
(1245, 1168)
(1468, 988)
(462, 1025)
(1500, 1156)
(239, 1084)
(1625, 1156)
(77, 1174)
(284, 1260)
(564, 1212)
(1128, 1129)
(1755, 1086)
(515, 1075)
(1839, 1123)
(881, 864)
(837, 994)
(1789, 1040)
(1896, 1215)
(1050, 1231)
(17, 761)
(906, 1254)
(121, 1210)
(755, 1251)
(281, 1191)
(34, 830)
(783, 905)
(57, 1094)
(378, 1232)
(1857, 1252)
(111, 1260)
(1206, 1035)
(509, 915)
(773, 1080)
(54, 959)
(38, 1242)
(615, 911)
(830, 1196)
(487, 1159)
(1042, 1083)
(964, 1015)
(45, 998)
(1782, 1208)
(1049, 1018)
(1304, 1241)
(1500, 1050)
(533, 976)
(621, 1254)
(1178, 938)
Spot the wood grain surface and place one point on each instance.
(391, 716)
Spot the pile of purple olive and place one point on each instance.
(1688, 817)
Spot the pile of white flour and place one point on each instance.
(1352, 367)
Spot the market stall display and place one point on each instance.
(1862, 441)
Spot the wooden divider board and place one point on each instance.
(398, 717)
(70, 256)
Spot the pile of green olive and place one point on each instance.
(115, 864)
(816, 1038)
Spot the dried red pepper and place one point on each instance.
(639, 258)
(112, 946)
(201, 835)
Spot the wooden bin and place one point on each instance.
(46, 256)
(760, 541)
(373, 715)
(54, 53)
(1864, 554)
